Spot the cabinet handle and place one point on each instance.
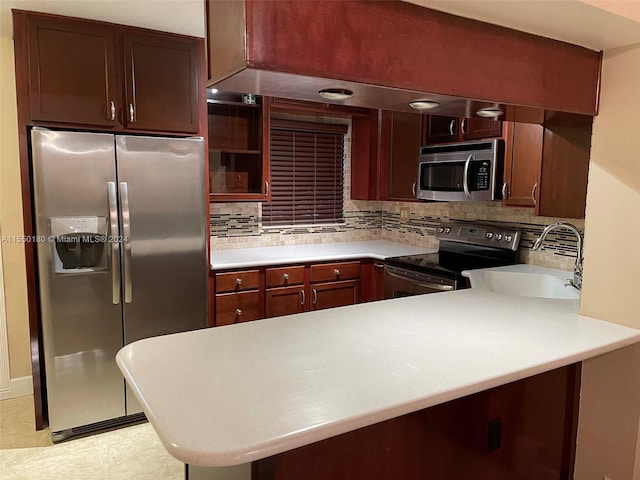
(452, 127)
(238, 281)
(302, 299)
(463, 126)
(286, 277)
(505, 191)
(131, 113)
(533, 192)
(337, 272)
(238, 312)
(315, 296)
(413, 189)
(266, 189)
(113, 110)
(378, 265)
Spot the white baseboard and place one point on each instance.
(18, 387)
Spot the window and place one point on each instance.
(307, 177)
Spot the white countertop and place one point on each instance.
(317, 252)
(234, 394)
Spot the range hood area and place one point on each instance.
(389, 53)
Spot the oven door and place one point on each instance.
(400, 282)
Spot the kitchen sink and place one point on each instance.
(524, 281)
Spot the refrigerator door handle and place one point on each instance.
(114, 235)
(126, 233)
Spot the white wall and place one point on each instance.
(608, 436)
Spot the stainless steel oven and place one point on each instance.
(463, 246)
(403, 282)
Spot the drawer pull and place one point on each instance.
(302, 297)
(286, 277)
(238, 312)
(238, 281)
(337, 272)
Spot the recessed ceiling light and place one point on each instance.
(423, 104)
(335, 93)
(489, 112)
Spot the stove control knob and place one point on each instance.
(498, 236)
(508, 238)
(447, 230)
(440, 230)
(489, 235)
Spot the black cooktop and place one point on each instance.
(484, 247)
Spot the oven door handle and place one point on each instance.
(465, 179)
(434, 286)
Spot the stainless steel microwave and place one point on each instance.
(469, 171)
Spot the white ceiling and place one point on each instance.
(176, 16)
(598, 25)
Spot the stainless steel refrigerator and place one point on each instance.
(121, 255)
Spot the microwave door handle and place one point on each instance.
(465, 179)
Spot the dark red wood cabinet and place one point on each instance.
(161, 82)
(91, 73)
(524, 430)
(72, 71)
(444, 129)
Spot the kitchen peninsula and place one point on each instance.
(246, 393)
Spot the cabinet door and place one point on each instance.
(523, 160)
(476, 128)
(335, 294)
(286, 301)
(162, 82)
(403, 156)
(237, 307)
(440, 129)
(72, 72)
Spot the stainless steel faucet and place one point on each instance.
(577, 268)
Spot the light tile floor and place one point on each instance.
(133, 452)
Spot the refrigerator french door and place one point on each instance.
(121, 254)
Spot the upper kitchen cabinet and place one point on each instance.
(444, 129)
(88, 73)
(546, 167)
(161, 82)
(400, 149)
(238, 129)
(250, 50)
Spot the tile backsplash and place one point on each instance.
(237, 225)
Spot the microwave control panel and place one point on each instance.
(481, 175)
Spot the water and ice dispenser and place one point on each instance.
(79, 244)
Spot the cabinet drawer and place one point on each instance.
(335, 271)
(237, 307)
(237, 281)
(285, 276)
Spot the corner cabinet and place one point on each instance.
(90, 73)
(546, 167)
(238, 129)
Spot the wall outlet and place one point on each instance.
(404, 214)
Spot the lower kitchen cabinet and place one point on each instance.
(372, 280)
(524, 430)
(246, 295)
(286, 301)
(335, 294)
(238, 297)
(237, 307)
